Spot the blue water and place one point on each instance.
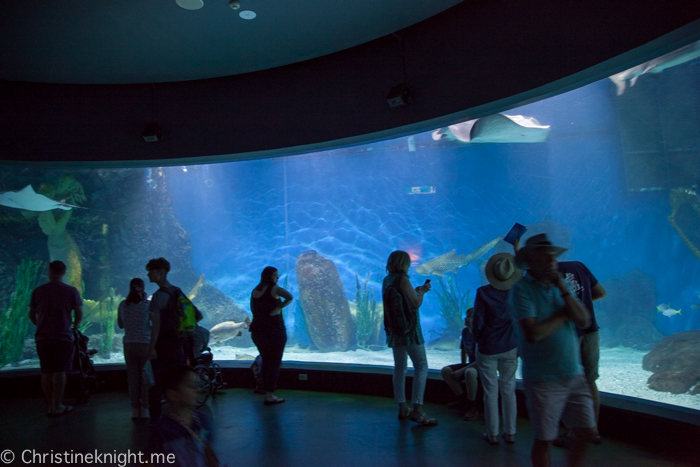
(352, 206)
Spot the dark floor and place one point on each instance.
(310, 429)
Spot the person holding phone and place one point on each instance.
(409, 344)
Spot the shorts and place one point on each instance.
(55, 356)
(568, 400)
(457, 366)
(590, 355)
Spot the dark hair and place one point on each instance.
(136, 295)
(398, 262)
(57, 267)
(266, 277)
(174, 376)
(158, 263)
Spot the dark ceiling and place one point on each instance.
(143, 41)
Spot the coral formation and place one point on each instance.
(14, 319)
(367, 319)
(109, 308)
(453, 306)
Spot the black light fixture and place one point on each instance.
(399, 96)
(152, 132)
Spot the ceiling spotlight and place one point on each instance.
(247, 14)
(234, 4)
(190, 4)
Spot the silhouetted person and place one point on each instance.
(165, 348)
(587, 289)
(547, 315)
(267, 329)
(134, 318)
(50, 309)
(184, 434)
(497, 351)
(409, 344)
(465, 372)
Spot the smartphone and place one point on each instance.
(515, 233)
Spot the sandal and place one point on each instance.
(510, 439)
(404, 415)
(489, 439)
(424, 420)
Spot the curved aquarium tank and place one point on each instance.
(609, 170)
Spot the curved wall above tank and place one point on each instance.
(474, 59)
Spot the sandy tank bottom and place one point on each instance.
(620, 368)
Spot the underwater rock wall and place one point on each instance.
(675, 362)
(326, 310)
(626, 315)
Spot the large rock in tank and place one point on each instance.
(325, 304)
(675, 362)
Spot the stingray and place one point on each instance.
(30, 200)
(498, 128)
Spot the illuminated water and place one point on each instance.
(602, 185)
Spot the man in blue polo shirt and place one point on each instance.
(547, 315)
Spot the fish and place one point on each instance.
(497, 128)
(662, 307)
(695, 306)
(228, 330)
(670, 312)
(657, 65)
(451, 262)
(29, 200)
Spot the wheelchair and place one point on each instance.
(210, 378)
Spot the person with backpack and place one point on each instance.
(167, 347)
(404, 335)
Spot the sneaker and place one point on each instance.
(136, 413)
(470, 414)
(145, 414)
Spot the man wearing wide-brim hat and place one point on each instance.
(497, 351)
(547, 315)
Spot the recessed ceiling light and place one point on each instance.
(190, 4)
(247, 14)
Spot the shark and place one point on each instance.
(657, 65)
(228, 330)
(30, 200)
(451, 262)
(497, 128)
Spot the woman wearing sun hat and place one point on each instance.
(496, 346)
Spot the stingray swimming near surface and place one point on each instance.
(498, 128)
(29, 200)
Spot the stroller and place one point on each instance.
(83, 367)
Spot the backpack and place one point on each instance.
(399, 319)
(181, 316)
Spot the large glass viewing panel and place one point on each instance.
(609, 171)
